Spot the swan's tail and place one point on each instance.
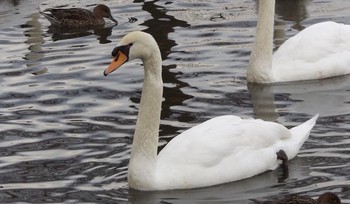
(299, 135)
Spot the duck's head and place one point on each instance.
(328, 198)
(103, 11)
(135, 45)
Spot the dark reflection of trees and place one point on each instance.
(292, 11)
(289, 11)
(160, 25)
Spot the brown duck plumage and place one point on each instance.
(78, 17)
(326, 198)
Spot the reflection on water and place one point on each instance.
(237, 192)
(66, 130)
(304, 98)
(294, 11)
(64, 33)
(265, 185)
(289, 11)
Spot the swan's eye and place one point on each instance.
(130, 44)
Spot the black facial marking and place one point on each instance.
(124, 49)
(115, 51)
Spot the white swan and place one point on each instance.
(220, 150)
(319, 51)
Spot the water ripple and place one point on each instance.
(66, 130)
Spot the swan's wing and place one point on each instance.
(226, 145)
(319, 51)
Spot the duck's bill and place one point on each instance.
(115, 21)
(117, 61)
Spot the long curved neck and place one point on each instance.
(260, 63)
(144, 148)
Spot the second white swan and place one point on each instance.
(223, 149)
(319, 51)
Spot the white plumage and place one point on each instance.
(319, 51)
(220, 150)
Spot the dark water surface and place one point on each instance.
(66, 130)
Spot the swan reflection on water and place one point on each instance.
(328, 97)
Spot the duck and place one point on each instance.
(325, 198)
(220, 150)
(78, 17)
(319, 51)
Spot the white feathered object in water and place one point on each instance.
(223, 149)
(317, 52)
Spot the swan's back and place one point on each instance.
(225, 149)
(319, 51)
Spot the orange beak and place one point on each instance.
(117, 61)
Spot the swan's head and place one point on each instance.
(135, 45)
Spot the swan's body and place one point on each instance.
(220, 150)
(319, 51)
